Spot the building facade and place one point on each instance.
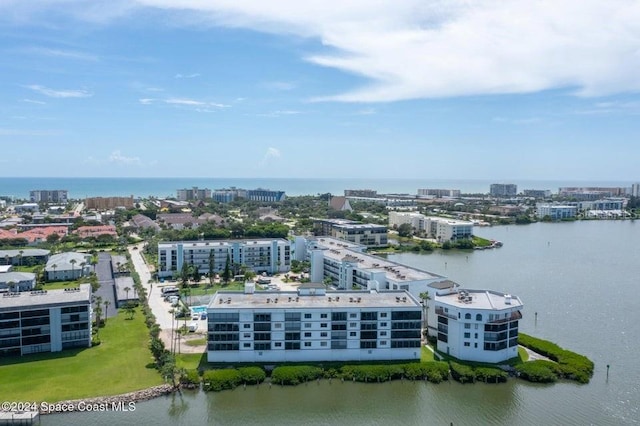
(195, 193)
(537, 193)
(106, 203)
(440, 228)
(360, 193)
(265, 195)
(503, 190)
(17, 281)
(312, 324)
(438, 193)
(556, 211)
(477, 325)
(45, 321)
(261, 255)
(366, 234)
(67, 266)
(49, 196)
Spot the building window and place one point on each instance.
(323, 325)
(246, 345)
(307, 316)
(383, 343)
(383, 324)
(383, 315)
(278, 325)
(467, 326)
(307, 325)
(323, 334)
(476, 326)
(475, 335)
(353, 315)
(479, 317)
(353, 334)
(475, 345)
(467, 316)
(383, 333)
(323, 344)
(278, 344)
(247, 326)
(467, 344)
(307, 344)
(353, 324)
(467, 335)
(323, 316)
(246, 335)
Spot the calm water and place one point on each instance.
(581, 278)
(163, 187)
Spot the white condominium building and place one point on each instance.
(440, 228)
(476, 325)
(45, 321)
(261, 255)
(313, 324)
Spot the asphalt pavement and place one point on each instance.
(107, 283)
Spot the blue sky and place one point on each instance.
(233, 88)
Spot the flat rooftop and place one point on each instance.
(214, 243)
(42, 298)
(395, 271)
(330, 300)
(480, 299)
(330, 242)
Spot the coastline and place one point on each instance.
(106, 403)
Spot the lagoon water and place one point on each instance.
(583, 280)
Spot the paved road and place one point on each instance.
(106, 289)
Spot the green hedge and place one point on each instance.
(293, 375)
(252, 375)
(190, 379)
(462, 373)
(217, 380)
(434, 371)
(540, 371)
(372, 373)
(490, 375)
(573, 366)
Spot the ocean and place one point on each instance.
(18, 188)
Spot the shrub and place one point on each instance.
(462, 373)
(490, 374)
(217, 380)
(572, 365)
(252, 375)
(293, 375)
(539, 371)
(434, 371)
(372, 373)
(190, 379)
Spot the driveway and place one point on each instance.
(106, 289)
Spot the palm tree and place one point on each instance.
(94, 262)
(106, 309)
(54, 266)
(127, 290)
(425, 312)
(82, 265)
(20, 256)
(73, 264)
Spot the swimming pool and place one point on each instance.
(198, 309)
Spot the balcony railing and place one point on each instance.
(440, 311)
(514, 316)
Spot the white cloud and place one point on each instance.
(146, 101)
(31, 101)
(194, 75)
(427, 49)
(280, 113)
(117, 157)
(52, 93)
(271, 155)
(179, 101)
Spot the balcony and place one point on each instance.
(514, 317)
(440, 311)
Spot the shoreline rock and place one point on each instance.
(106, 403)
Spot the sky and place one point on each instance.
(499, 89)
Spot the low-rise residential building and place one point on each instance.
(313, 324)
(438, 193)
(366, 234)
(268, 195)
(95, 231)
(477, 325)
(20, 256)
(125, 291)
(260, 255)
(67, 266)
(26, 208)
(17, 281)
(360, 193)
(556, 211)
(45, 321)
(537, 193)
(440, 228)
(141, 221)
(224, 195)
(106, 203)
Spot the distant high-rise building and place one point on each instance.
(537, 193)
(194, 193)
(439, 193)
(48, 196)
(503, 190)
(360, 193)
(635, 190)
(105, 203)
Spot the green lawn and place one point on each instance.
(192, 361)
(426, 355)
(57, 285)
(122, 363)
